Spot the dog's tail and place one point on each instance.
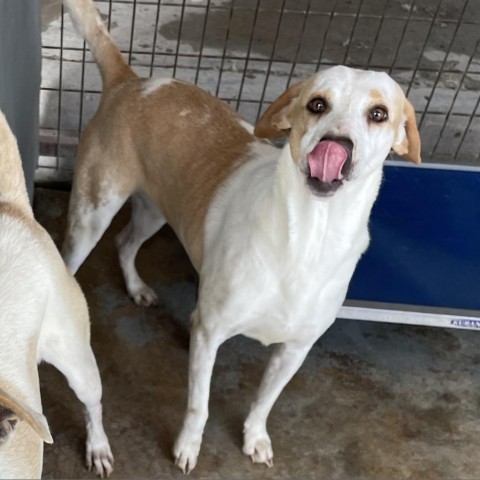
(12, 181)
(88, 22)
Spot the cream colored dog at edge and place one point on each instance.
(43, 316)
(274, 234)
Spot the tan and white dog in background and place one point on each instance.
(43, 316)
(274, 234)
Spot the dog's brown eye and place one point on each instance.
(378, 114)
(317, 105)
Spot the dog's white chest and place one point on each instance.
(296, 299)
(285, 295)
(277, 267)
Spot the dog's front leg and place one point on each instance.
(203, 350)
(284, 362)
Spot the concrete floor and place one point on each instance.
(372, 401)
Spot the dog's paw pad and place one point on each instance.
(101, 460)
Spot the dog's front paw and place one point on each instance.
(186, 451)
(257, 445)
(101, 459)
(144, 296)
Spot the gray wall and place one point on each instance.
(20, 64)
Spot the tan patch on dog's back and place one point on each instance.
(199, 150)
(177, 144)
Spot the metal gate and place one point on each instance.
(248, 51)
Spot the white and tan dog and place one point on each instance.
(274, 234)
(43, 316)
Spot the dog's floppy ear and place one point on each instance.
(11, 411)
(407, 142)
(274, 122)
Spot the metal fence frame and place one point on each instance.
(58, 144)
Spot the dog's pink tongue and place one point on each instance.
(326, 161)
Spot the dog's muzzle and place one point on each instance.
(328, 165)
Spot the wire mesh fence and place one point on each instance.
(248, 51)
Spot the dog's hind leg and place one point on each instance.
(145, 221)
(284, 362)
(87, 222)
(65, 343)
